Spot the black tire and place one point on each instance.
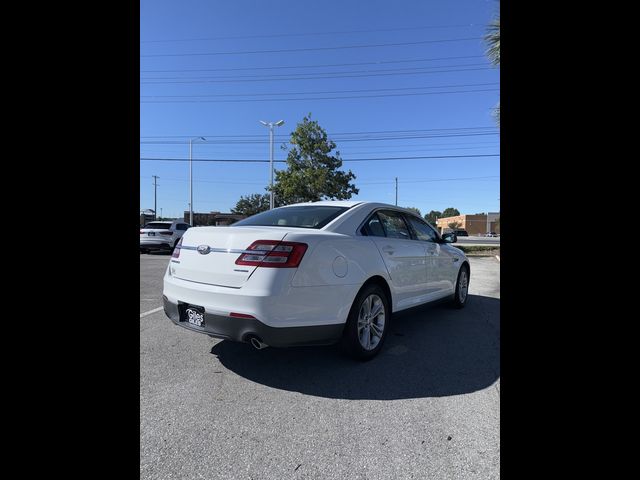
(459, 302)
(350, 338)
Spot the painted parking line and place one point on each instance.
(151, 311)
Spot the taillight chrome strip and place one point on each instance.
(228, 250)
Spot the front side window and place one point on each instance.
(423, 231)
(394, 225)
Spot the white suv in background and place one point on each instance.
(161, 235)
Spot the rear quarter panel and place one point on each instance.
(337, 259)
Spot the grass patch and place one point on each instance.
(479, 250)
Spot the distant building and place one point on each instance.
(473, 224)
(147, 216)
(216, 219)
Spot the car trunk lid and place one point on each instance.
(208, 254)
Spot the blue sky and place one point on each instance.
(196, 82)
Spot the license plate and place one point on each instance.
(151, 234)
(194, 315)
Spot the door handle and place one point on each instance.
(388, 249)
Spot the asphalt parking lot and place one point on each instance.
(427, 407)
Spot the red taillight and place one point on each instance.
(176, 251)
(274, 254)
(241, 315)
(166, 232)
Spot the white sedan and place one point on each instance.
(312, 273)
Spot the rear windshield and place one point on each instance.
(302, 217)
(159, 226)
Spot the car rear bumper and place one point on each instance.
(242, 329)
(272, 300)
(155, 244)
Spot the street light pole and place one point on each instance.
(191, 178)
(271, 166)
(271, 125)
(396, 191)
(155, 196)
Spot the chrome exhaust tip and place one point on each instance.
(257, 344)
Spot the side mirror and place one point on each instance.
(449, 237)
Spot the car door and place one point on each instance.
(404, 258)
(439, 260)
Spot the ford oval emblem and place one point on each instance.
(204, 249)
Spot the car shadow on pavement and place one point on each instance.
(431, 351)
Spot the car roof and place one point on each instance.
(332, 203)
(349, 204)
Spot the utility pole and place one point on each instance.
(396, 191)
(155, 196)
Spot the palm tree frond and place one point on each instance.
(493, 39)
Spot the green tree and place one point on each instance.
(252, 204)
(450, 212)
(493, 52)
(454, 225)
(414, 209)
(312, 169)
(432, 216)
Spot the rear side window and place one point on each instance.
(423, 231)
(394, 225)
(182, 226)
(308, 216)
(158, 226)
(374, 227)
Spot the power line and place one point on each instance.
(430, 180)
(493, 145)
(305, 75)
(333, 134)
(376, 149)
(245, 142)
(380, 62)
(320, 92)
(344, 160)
(316, 49)
(426, 180)
(276, 35)
(171, 82)
(321, 98)
(220, 181)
